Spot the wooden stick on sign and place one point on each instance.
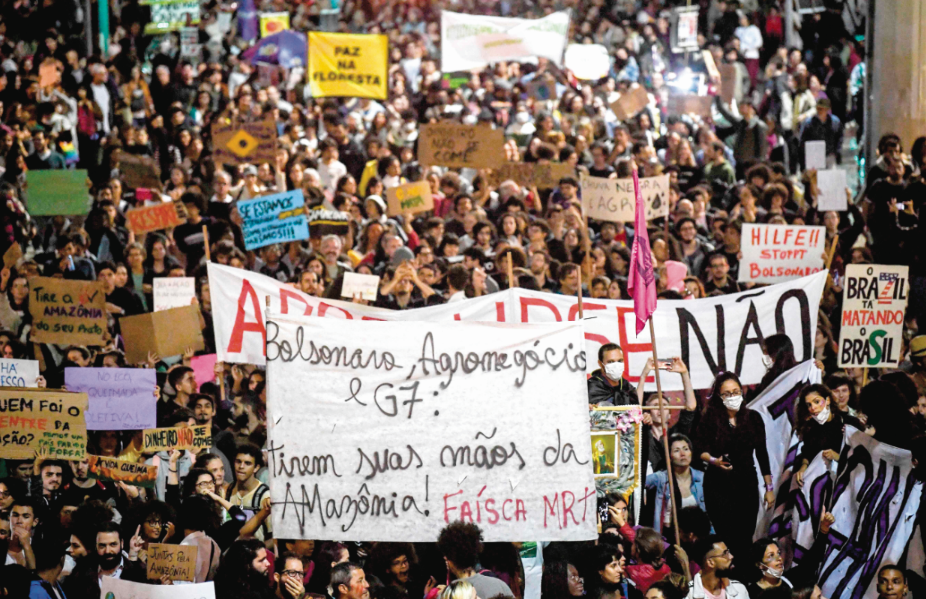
(510, 270)
(665, 443)
(206, 241)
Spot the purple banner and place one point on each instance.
(121, 399)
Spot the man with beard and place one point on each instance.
(110, 561)
(243, 572)
(288, 576)
(46, 482)
(349, 582)
(83, 488)
(713, 579)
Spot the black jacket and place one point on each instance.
(600, 391)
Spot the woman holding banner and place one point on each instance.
(821, 426)
(728, 437)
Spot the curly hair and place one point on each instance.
(460, 543)
(383, 554)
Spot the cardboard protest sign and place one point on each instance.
(171, 15)
(690, 104)
(777, 253)
(121, 399)
(154, 218)
(710, 334)
(47, 421)
(203, 368)
(18, 373)
(115, 470)
(67, 312)
(173, 292)
(165, 439)
(277, 218)
(327, 222)
(411, 197)
(12, 255)
(116, 588)
(57, 192)
(542, 87)
(815, 155)
(727, 83)
(614, 199)
(238, 143)
(273, 22)
(190, 48)
(832, 186)
(460, 146)
(177, 562)
(139, 170)
(710, 65)
(531, 174)
(874, 298)
(365, 287)
(475, 41)
(166, 333)
(447, 443)
(348, 65)
(630, 103)
(49, 75)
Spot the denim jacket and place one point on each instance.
(660, 481)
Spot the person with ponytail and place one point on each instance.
(727, 438)
(647, 549)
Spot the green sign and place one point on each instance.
(53, 192)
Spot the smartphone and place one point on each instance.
(603, 511)
(664, 364)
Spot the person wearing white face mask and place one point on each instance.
(820, 426)
(607, 386)
(727, 438)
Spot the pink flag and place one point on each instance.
(641, 283)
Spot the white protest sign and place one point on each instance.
(588, 62)
(116, 588)
(832, 186)
(358, 285)
(18, 373)
(173, 292)
(417, 424)
(815, 155)
(778, 253)
(710, 334)
(874, 298)
(475, 41)
(613, 199)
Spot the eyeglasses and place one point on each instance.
(294, 573)
(205, 484)
(726, 553)
(154, 523)
(730, 394)
(5, 494)
(575, 578)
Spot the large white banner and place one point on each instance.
(874, 298)
(778, 253)
(876, 501)
(710, 334)
(387, 431)
(475, 41)
(775, 405)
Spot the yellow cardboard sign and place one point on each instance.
(348, 65)
(273, 22)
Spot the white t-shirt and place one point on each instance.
(101, 96)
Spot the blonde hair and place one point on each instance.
(458, 589)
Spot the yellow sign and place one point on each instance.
(273, 22)
(242, 144)
(348, 65)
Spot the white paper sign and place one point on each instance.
(116, 588)
(710, 334)
(777, 253)
(874, 298)
(407, 426)
(613, 199)
(358, 285)
(18, 373)
(475, 41)
(815, 155)
(832, 186)
(173, 292)
(588, 62)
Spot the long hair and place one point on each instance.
(715, 414)
(321, 576)
(781, 350)
(555, 581)
(649, 546)
(804, 422)
(235, 573)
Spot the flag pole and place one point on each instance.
(665, 443)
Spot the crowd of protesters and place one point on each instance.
(63, 531)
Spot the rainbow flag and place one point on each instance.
(70, 153)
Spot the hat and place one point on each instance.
(250, 170)
(918, 346)
(402, 254)
(378, 201)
